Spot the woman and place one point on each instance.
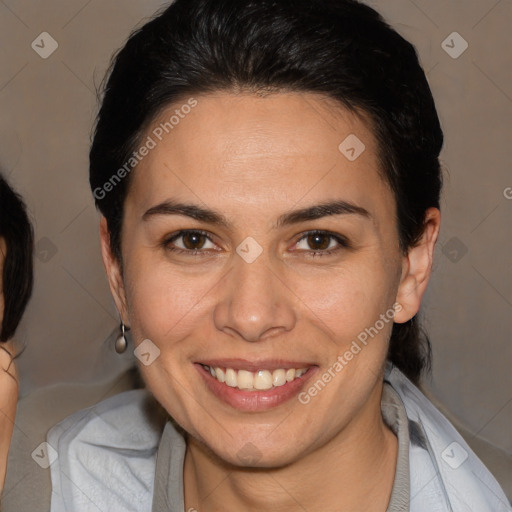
(268, 178)
(16, 277)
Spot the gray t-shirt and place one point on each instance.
(168, 490)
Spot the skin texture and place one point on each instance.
(252, 159)
(8, 385)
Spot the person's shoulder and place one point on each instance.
(445, 472)
(106, 454)
(125, 417)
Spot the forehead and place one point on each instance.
(232, 149)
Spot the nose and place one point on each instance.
(255, 303)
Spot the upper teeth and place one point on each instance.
(260, 380)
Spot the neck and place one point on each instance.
(360, 462)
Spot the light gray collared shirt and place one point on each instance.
(168, 491)
(114, 456)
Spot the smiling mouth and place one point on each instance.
(261, 380)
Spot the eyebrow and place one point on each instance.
(293, 217)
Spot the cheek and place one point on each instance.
(165, 304)
(346, 300)
(170, 308)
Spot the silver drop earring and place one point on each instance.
(121, 343)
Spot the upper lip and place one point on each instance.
(253, 366)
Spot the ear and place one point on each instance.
(416, 269)
(114, 273)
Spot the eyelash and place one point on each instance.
(342, 241)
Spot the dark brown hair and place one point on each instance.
(17, 275)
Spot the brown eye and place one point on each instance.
(319, 241)
(189, 242)
(193, 241)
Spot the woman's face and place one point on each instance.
(289, 261)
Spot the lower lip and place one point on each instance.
(254, 401)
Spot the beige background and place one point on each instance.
(48, 108)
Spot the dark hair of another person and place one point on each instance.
(339, 48)
(17, 277)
